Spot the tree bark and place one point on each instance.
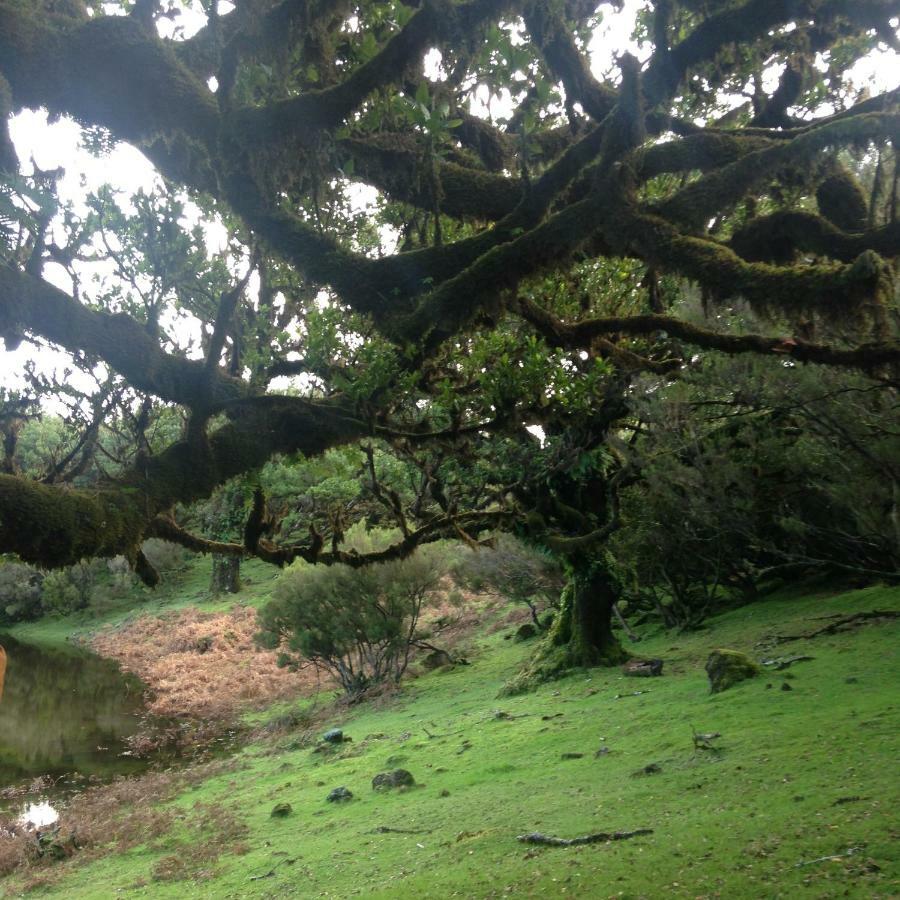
(226, 575)
(584, 625)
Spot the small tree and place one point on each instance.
(516, 571)
(356, 623)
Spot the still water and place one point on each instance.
(65, 715)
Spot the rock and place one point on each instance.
(437, 659)
(651, 769)
(786, 687)
(643, 668)
(339, 795)
(526, 632)
(603, 751)
(333, 736)
(726, 668)
(280, 810)
(399, 778)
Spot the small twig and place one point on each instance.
(448, 734)
(270, 874)
(834, 858)
(386, 829)
(702, 741)
(601, 837)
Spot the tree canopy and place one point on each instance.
(733, 192)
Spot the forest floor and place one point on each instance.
(798, 797)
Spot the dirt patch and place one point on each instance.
(113, 818)
(203, 664)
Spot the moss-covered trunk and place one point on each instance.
(584, 625)
(582, 634)
(226, 575)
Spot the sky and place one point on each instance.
(58, 144)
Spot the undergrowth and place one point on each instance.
(797, 797)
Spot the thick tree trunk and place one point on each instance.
(226, 575)
(584, 626)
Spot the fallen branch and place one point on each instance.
(839, 625)
(783, 662)
(602, 837)
(271, 872)
(386, 829)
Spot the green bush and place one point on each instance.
(70, 589)
(359, 624)
(20, 592)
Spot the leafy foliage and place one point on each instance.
(357, 624)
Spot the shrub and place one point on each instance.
(515, 571)
(164, 556)
(70, 589)
(357, 624)
(20, 592)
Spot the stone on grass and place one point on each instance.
(339, 795)
(526, 632)
(726, 668)
(643, 668)
(333, 736)
(437, 659)
(280, 810)
(399, 778)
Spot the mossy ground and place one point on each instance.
(749, 821)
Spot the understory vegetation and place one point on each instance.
(459, 380)
(787, 790)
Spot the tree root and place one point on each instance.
(602, 837)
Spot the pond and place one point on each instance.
(65, 715)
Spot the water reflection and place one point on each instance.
(38, 815)
(62, 711)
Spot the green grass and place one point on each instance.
(185, 588)
(734, 824)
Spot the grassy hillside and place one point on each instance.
(799, 775)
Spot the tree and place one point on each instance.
(552, 243)
(752, 475)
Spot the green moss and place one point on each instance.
(727, 668)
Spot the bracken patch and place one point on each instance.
(202, 664)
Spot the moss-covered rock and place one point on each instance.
(726, 668)
(526, 632)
